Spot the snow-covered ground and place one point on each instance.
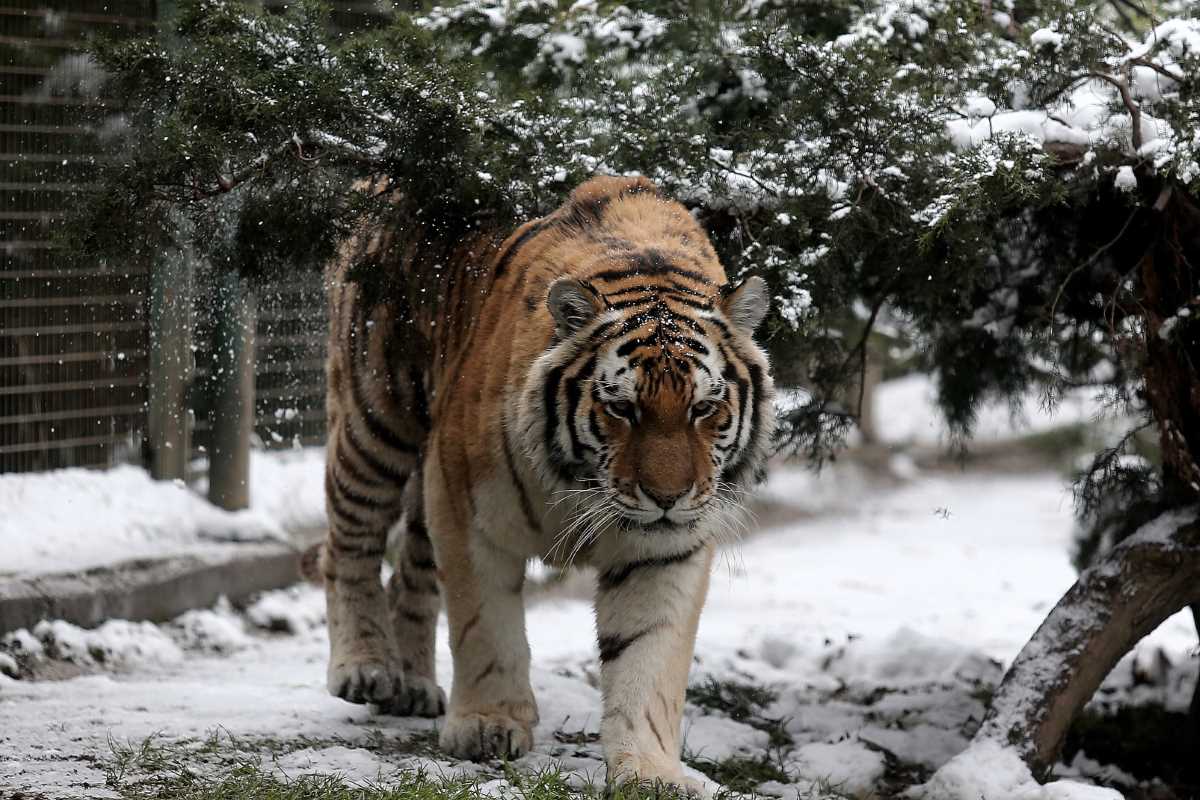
(906, 415)
(74, 519)
(880, 616)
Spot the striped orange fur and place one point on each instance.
(587, 391)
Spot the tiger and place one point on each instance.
(585, 391)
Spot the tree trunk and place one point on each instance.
(233, 395)
(171, 368)
(1149, 577)
(1170, 273)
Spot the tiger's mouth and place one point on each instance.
(663, 524)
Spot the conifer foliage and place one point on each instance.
(1011, 184)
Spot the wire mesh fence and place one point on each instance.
(75, 342)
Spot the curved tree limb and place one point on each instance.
(1143, 581)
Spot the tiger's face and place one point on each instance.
(656, 414)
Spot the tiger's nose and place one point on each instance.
(664, 500)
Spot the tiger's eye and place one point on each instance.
(703, 409)
(621, 409)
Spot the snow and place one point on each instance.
(1125, 180)
(850, 766)
(876, 619)
(979, 106)
(989, 771)
(74, 519)
(217, 630)
(716, 738)
(117, 643)
(879, 609)
(1045, 36)
(293, 610)
(906, 414)
(1161, 528)
(1085, 117)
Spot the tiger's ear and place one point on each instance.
(573, 304)
(747, 303)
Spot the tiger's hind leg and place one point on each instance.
(362, 503)
(413, 602)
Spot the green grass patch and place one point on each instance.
(741, 774)
(741, 701)
(224, 767)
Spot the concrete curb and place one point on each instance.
(148, 589)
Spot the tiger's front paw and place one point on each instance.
(481, 737)
(420, 697)
(366, 681)
(656, 779)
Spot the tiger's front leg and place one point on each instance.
(492, 710)
(646, 616)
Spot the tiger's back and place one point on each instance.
(587, 390)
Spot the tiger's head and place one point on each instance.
(652, 401)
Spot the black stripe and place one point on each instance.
(352, 521)
(373, 463)
(756, 378)
(612, 578)
(602, 329)
(350, 494)
(550, 408)
(416, 584)
(375, 426)
(691, 323)
(522, 494)
(574, 387)
(633, 271)
(732, 378)
(417, 530)
(621, 305)
(586, 213)
(679, 288)
(357, 475)
(359, 551)
(630, 345)
(507, 256)
(613, 645)
(720, 325)
(488, 670)
(687, 341)
(412, 616)
(673, 291)
(691, 303)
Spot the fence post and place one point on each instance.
(170, 366)
(233, 393)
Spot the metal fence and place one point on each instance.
(75, 342)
